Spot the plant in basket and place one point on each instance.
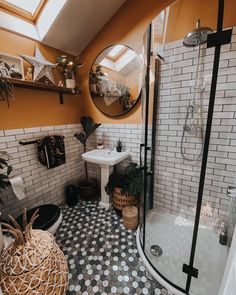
(88, 187)
(125, 184)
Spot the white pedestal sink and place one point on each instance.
(105, 159)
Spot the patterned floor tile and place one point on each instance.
(102, 255)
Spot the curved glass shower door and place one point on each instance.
(185, 160)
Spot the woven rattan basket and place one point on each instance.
(130, 217)
(33, 264)
(122, 200)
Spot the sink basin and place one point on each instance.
(105, 157)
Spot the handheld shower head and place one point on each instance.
(197, 37)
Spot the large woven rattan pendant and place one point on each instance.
(33, 264)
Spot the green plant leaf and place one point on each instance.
(81, 137)
(88, 125)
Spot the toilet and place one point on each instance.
(49, 219)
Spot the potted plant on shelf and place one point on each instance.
(125, 184)
(5, 171)
(88, 187)
(69, 69)
(6, 91)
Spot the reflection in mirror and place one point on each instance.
(115, 80)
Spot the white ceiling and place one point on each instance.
(78, 23)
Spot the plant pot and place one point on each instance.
(1, 237)
(88, 190)
(121, 200)
(118, 149)
(70, 83)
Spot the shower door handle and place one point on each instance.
(140, 155)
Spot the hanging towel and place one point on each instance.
(18, 187)
(51, 151)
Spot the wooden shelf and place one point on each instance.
(43, 87)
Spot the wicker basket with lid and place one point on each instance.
(33, 264)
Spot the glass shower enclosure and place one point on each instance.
(188, 152)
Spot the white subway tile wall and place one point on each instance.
(42, 185)
(176, 180)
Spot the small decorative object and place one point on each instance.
(6, 91)
(130, 217)
(60, 84)
(89, 186)
(69, 69)
(71, 195)
(223, 234)
(119, 146)
(96, 81)
(42, 67)
(11, 66)
(100, 145)
(33, 263)
(126, 185)
(29, 75)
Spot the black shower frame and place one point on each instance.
(214, 40)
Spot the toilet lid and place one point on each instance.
(48, 215)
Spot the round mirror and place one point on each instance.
(115, 80)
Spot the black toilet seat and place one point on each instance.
(48, 215)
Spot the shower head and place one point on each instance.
(197, 37)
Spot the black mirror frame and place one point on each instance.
(138, 98)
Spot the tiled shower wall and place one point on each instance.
(177, 180)
(42, 185)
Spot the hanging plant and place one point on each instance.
(6, 91)
(5, 171)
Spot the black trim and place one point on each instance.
(207, 141)
(154, 128)
(193, 272)
(220, 38)
(147, 81)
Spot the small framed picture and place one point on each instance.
(11, 66)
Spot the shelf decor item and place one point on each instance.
(11, 66)
(42, 67)
(69, 69)
(6, 90)
(33, 263)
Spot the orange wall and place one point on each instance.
(127, 26)
(184, 14)
(35, 108)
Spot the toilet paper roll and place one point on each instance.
(18, 187)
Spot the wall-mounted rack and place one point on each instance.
(43, 87)
(32, 141)
(28, 142)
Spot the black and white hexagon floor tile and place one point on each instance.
(102, 255)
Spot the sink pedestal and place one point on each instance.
(105, 198)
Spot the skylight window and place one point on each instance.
(28, 6)
(116, 51)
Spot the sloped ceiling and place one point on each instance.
(79, 22)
